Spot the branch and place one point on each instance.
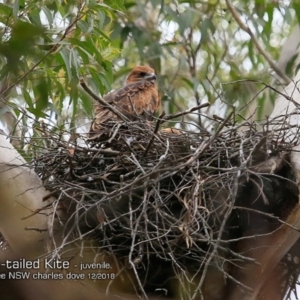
(21, 193)
(267, 251)
(158, 122)
(244, 27)
(186, 112)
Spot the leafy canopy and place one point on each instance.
(197, 47)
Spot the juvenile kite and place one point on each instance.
(137, 100)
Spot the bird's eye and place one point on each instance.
(143, 74)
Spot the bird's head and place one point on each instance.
(141, 73)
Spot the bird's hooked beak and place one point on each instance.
(150, 76)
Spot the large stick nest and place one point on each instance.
(173, 199)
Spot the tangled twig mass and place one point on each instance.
(182, 201)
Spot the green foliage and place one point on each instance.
(197, 48)
(46, 47)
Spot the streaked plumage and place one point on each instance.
(137, 100)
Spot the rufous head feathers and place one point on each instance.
(141, 73)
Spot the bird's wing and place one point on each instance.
(135, 101)
(139, 99)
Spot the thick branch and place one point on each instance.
(255, 41)
(269, 250)
(21, 194)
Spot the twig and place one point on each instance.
(201, 149)
(267, 215)
(215, 246)
(244, 27)
(102, 151)
(158, 122)
(226, 274)
(136, 162)
(36, 229)
(186, 112)
(115, 132)
(287, 97)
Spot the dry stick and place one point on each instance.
(101, 101)
(159, 121)
(287, 97)
(115, 133)
(134, 228)
(238, 255)
(245, 238)
(199, 151)
(102, 151)
(227, 275)
(186, 112)
(268, 215)
(221, 231)
(170, 117)
(244, 27)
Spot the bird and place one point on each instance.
(137, 100)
